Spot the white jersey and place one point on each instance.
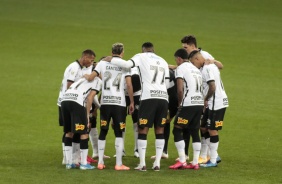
(219, 100)
(206, 55)
(133, 71)
(113, 80)
(79, 90)
(72, 73)
(153, 72)
(87, 70)
(192, 83)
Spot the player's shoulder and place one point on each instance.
(206, 55)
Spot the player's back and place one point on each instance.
(153, 71)
(113, 80)
(192, 84)
(73, 72)
(219, 100)
(80, 89)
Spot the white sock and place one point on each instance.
(159, 143)
(64, 153)
(68, 151)
(204, 148)
(208, 140)
(196, 152)
(83, 156)
(101, 150)
(76, 152)
(93, 136)
(213, 154)
(119, 149)
(142, 146)
(180, 146)
(123, 138)
(135, 131)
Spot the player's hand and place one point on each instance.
(206, 104)
(131, 108)
(108, 58)
(88, 126)
(86, 76)
(209, 61)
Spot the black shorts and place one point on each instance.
(189, 117)
(114, 112)
(172, 107)
(213, 119)
(152, 112)
(61, 119)
(75, 117)
(134, 116)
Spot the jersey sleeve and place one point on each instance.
(179, 73)
(72, 73)
(136, 60)
(98, 68)
(96, 84)
(207, 73)
(206, 55)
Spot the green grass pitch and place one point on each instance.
(38, 39)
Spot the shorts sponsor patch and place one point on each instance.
(79, 127)
(122, 125)
(163, 121)
(143, 121)
(182, 121)
(218, 124)
(103, 123)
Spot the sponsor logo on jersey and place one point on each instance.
(225, 101)
(218, 124)
(122, 125)
(196, 98)
(158, 93)
(143, 121)
(182, 121)
(103, 123)
(163, 121)
(79, 127)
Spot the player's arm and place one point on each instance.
(211, 91)
(122, 63)
(89, 102)
(212, 61)
(69, 83)
(91, 76)
(172, 67)
(96, 101)
(179, 90)
(130, 93)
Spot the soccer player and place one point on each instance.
(136, 84)
(172, 110)
(93, 134)
(75, 115)
(73, 73)
(216, 101)
(154, 74)
(113, 104)
(189, 43)
(190, 103)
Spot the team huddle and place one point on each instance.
(153, 93)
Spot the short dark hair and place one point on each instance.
(147, 45)
(182, 53)
(193, 53)
(117, 48)
(190, 39)
(89, 52)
